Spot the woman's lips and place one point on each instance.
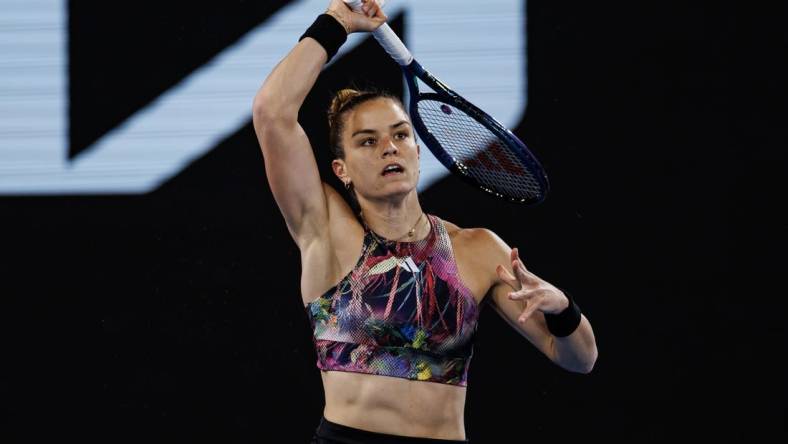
(398, 170)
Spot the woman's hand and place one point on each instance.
(368, 21)
(536, 293)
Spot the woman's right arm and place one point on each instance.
(289, 162)
(290, 165)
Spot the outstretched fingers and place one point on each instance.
(530, 307)
(507, 277)
(525, 277)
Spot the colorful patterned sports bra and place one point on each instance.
(402, 311)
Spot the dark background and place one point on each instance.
(175, 316)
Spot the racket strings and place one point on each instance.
(478, 152)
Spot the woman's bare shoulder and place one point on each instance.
(477, 251)
(470, 237)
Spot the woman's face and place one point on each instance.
(381, 154)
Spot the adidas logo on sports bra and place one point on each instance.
(409, 265)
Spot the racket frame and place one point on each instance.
(444, 94)
(412, 70)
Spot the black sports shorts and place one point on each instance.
(332, 433)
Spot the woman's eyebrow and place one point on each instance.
(371, 131)
(364, 131)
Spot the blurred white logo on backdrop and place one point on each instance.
(477, 48)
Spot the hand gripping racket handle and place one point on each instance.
(387, 38)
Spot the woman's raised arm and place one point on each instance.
(289, 161)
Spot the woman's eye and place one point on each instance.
(401, 135)
(368, 142)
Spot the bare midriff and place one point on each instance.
(394, 406)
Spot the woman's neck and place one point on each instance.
(394, 220)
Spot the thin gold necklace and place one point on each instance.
(410, 233)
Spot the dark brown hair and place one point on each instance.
(344, 101)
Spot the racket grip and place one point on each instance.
(387, 38)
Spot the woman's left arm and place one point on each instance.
(523, 299)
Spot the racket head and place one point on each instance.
(472, 144)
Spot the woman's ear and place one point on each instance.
(338, 165)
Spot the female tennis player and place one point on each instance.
(392, 294)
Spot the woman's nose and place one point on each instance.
(389, 147)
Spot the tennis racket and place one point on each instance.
(466, 140)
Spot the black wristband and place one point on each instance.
(327, 31)
(564, 323)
